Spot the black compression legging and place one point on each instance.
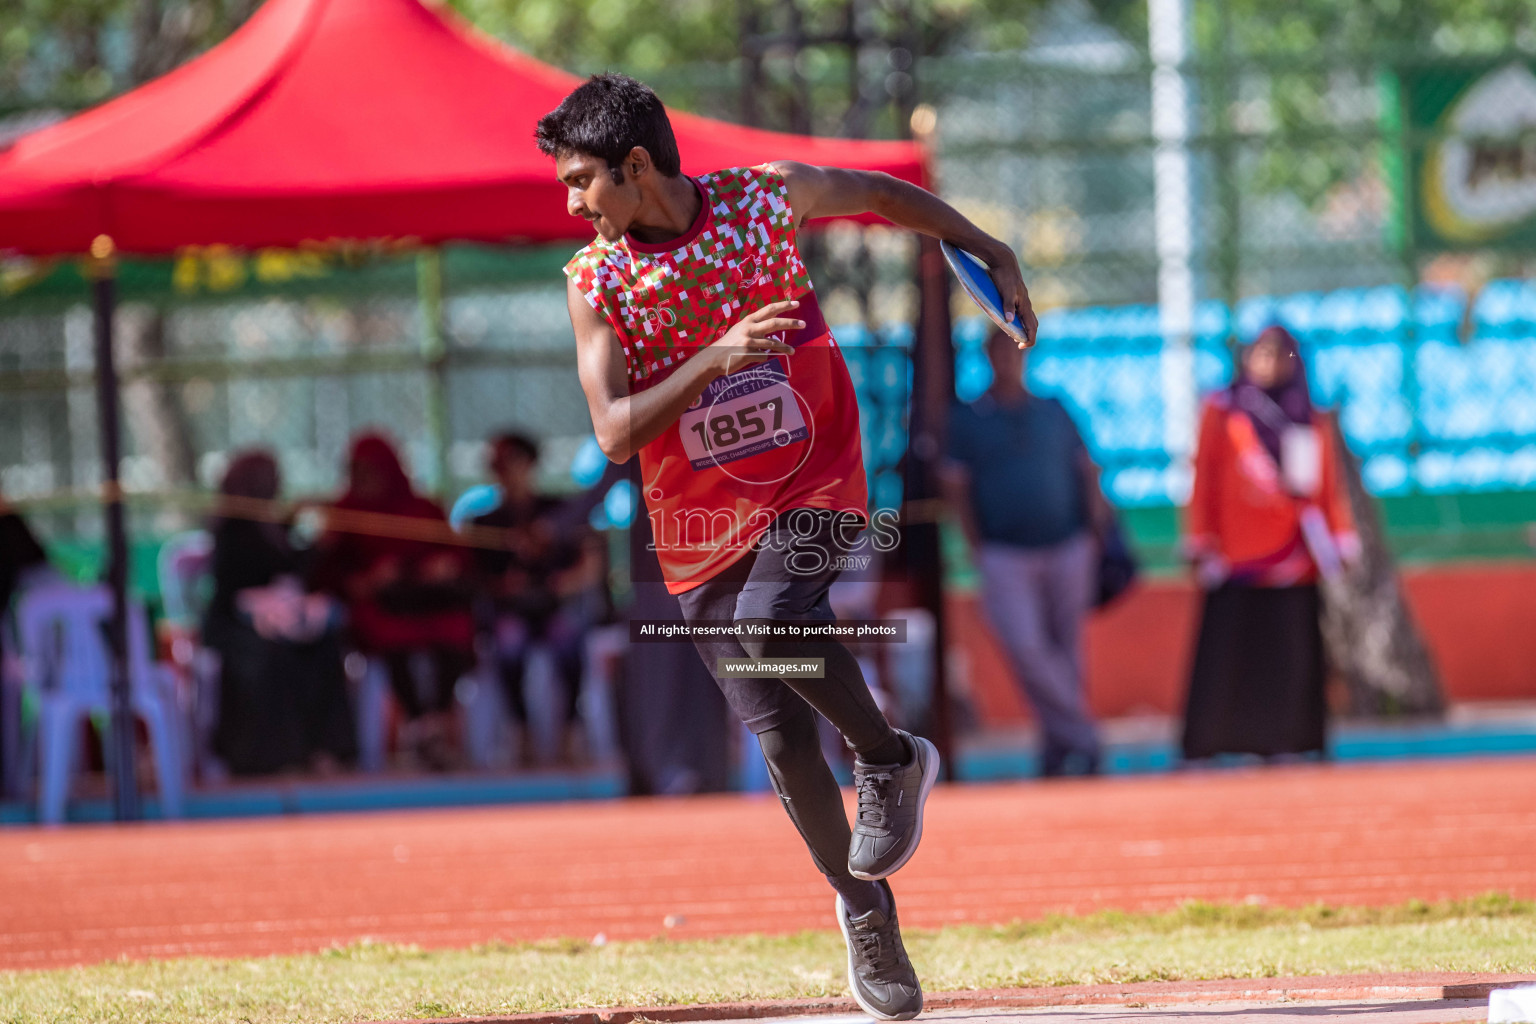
(841, 695)
(800, 774)
(811, 797)
(808, 789)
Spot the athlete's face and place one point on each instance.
(593, 195)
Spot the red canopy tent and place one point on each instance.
(321, 120)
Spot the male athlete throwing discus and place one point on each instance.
(701, 347)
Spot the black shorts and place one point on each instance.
(786, 577)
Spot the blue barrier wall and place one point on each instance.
(1433, 396)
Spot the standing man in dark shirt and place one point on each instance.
(1027, 495)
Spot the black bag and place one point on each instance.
(1118, 568)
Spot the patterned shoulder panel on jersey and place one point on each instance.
(664, 304)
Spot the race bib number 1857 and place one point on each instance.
(750, 411)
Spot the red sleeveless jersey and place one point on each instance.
(779, 435)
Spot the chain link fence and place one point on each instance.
(210, 370)
(1298, 203)
(1315, 197)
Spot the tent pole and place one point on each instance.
(434, 353)
(103, 273)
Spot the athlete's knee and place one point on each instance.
(806, 787)
(792, 750)
(756, 646)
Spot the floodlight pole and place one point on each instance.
(102, 268)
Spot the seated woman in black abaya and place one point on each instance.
(282, 699)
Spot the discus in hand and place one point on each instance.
(976, 279)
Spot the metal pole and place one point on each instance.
(125, 788)
(1174, 214)
(932, 391)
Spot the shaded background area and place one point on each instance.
(1042, 118)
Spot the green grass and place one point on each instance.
(369, 981)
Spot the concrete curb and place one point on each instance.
(1382, 987)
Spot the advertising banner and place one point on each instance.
(1472, 155)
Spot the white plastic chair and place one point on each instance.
(479, 704)
(911, 664)
(184, 568)
(483, 710)
(605, 645)
(482, 707)
(64, 654)
(373, 703)
(17, 741)
(543, 698)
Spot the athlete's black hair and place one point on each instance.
(520, 443)
(607, 116)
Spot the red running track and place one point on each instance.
(1339, 835)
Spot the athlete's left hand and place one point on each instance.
(1004, 265)
(755, 338)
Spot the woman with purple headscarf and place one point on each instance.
(1267, 519)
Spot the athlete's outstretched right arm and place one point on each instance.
(625, 423)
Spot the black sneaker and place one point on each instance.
(881, 976)
(890, 818)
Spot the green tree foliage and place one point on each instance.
(590, 35)
(827, 66)
(1318, 28)
(1304, 73)
(647, 36)
(84, 50)
(80, 51)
